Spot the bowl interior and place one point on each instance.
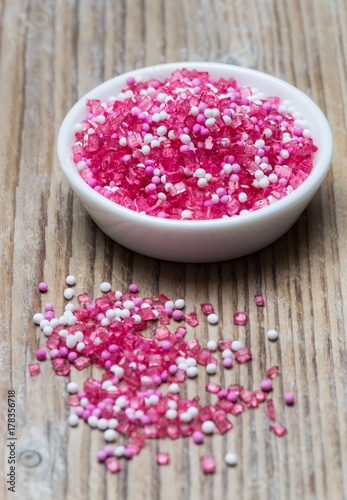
(269, 85)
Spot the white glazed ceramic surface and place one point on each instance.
(209, 240)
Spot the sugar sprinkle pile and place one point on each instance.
(138, 395)
(194, 148)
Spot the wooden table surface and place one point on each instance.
(52, 52)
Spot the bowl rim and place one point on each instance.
(302, 193)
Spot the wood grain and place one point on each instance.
(52, 52)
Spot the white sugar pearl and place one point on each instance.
(47, 330)
(148, 138)
(128, 304)
(172, 404)
(161, 130)
(119, 451)
(156, 117)
(110, 435)
(171, 414)
(146, 150)
(123, 141)
(264, 182)
(211, 344)
(121, 401)
(153, 399)
(84, 402)
(54, 322)
(70, 280)
(194, 110)
(236, 345)
(71, 341)
(259, 143)
(179, 303)
(170, 304)
(137, 319)
(139, 413)
(69, 307)
(230, 459)
(79, 336)
(44, 323)
(106, 384)
(227, 168)
(105, 287)
(242, 197)
(192, 371)
(273, 178)
(180, 360)
(193, 411)
(259, 174)
(284, 153)
(38, 317)
(212, 319)
(102, 424)
(72, 321)
(183, 366)
(171, 135)
(191, 362)
(80, 346)
(268, 133)
(272, 334)
(186, 214)
(113, 422)
(199, 172)
(208, 113)
(185, 138)
(73, 420)
(174, 388)
(72, 387)
(208, 427)
(78, 127)
(306, 132)
(210, 122)
(63, 333)
(92, 421)
(211, 369)
(154, 144)
(68, 293)
(227, 120)
(185, 417)
(227, 354)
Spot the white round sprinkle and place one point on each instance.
(183, 366)
(93, 421)
(185, 138)
(84, 402)
(199, 172)
(170, 304)
(68, 293)
(227, 120)
(72, 387)
(38, 317)
(179, 304)
(123, 141)
(192, 371)
(193, 411)
(110, 435)
(194, 110)
(71, 341)
(105, 287)
(242, 197)
(44, 323)
(230, 459)
(272, 334)
(191, 362)
(186, 214)
(211, 344)
(174, 388)
(211, 369)
(70, 280)
(172, 404)
(236, 345)
(212, 319)
(264, 182)
(121, 401)
(73, 420)
(171, 414)
(227, 354)
(102, 424)
(146, 150)
(128, 304)
(273, 178)
(208, 427)
(119, 451)
(79, 336)
(47, 330)
(284, 153)
(153, 399)
(80, 346)
(113, 422)
(210, 122)
(202, 182)
(69, 307)
(259, 143)
(185, 417)
(137, 319)
(161, 130)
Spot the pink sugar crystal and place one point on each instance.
(163, 458)
(82, 362)
(270, 409)
(112, 464)
(272, 372)
(192, 319)
(259, 300)
(208, 464)
(239, 318)
(213, 387)
(227, 147)
(243, 355)
(207, 308)
(278, 429)
(61, 366)
(34, 369)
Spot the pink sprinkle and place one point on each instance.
(228, 362)
(49, 306)
(198, 437)
(133, 288)
(232, 397)
(34, 369)
(41, 354)
(163, 458)
(266, 385)
(43, 287)
(289, 398)
(54, 353)
(131, 81)
(101, 455)
(177, 315)
(208, 464)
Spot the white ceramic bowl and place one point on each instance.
(208, 240)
